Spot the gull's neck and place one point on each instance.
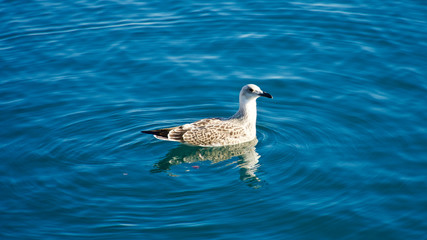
(247, 111)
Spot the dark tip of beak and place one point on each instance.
(265, 94)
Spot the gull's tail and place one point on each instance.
(159, 133)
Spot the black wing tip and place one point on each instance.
(159, 132)
(148, 131)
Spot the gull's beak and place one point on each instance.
(265, 94)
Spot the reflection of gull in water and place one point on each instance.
(248, 158)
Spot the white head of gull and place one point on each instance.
(211, 132)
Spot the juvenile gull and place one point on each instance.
(212, 132)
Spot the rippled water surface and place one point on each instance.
(341, 150)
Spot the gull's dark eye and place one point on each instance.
(251, 90)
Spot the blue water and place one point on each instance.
(341, 151)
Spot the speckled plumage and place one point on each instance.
(239, 128)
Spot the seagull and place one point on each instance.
(215, 132)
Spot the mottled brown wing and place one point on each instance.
(211, 132)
